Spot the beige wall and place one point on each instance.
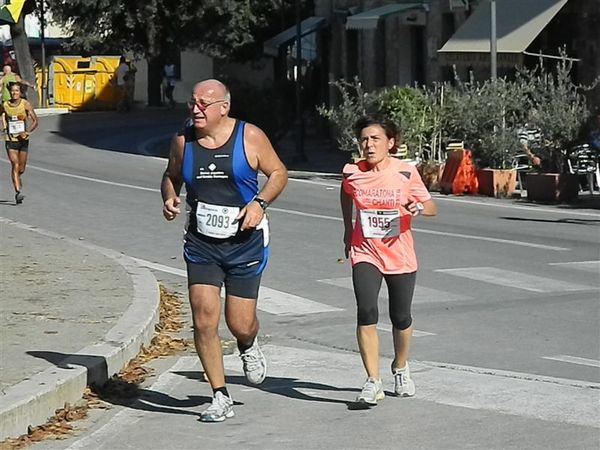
(194, 67)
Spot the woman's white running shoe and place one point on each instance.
(371, 393)
(404, 386)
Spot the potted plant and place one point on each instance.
(485, 115)
(414, 110)
(354, 103)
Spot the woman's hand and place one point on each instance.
(414, 207)
(347, 242)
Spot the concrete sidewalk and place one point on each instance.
(72, 314)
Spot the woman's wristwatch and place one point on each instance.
(419, 207)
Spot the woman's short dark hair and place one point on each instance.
(14, 83)
(389, 127)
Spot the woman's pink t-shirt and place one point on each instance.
(388, 189)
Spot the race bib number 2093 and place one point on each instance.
(217, 221)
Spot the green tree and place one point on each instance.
(411, 109)
(154, 28)
(355, 102)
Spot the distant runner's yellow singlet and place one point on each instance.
(16, 120)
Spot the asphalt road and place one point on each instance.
(505, 292)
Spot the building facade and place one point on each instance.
(386, 43)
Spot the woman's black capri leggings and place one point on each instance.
(367, 283)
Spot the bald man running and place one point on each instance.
(227, 232)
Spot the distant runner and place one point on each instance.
(18, 121)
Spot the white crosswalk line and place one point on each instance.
(422, 294)
(519, 394)
(284, 304)
(587, 266)
(269, 300)
(416, 333)
(517, 280)
(574, 360)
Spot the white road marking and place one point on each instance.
(416, 333)
(95, 180)
(491, 239)
(588, 266)
(518, 394)
(336, 185)
(161, 267)
(422, 294)
(339, 219)
(574, 360)
(125, 418)
(284, 304)
(515, 280)
(512, 206)
(269, 300)
(438, 233)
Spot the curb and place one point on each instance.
(42, 112)
(34, 400)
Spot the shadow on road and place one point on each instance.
(287, 387)
(133, 132)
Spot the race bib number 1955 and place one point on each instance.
(217, 221)
(380, 223)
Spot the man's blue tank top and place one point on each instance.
(219, 176)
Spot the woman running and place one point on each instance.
(387, 194)
(18, 121)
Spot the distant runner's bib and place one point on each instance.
(16, 126)
(380, 223)
(217, 221)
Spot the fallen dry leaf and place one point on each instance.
(122, 387)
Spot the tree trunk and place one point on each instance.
(24, 59)
(154, 80)
(155, 59)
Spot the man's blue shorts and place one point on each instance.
(237, 262)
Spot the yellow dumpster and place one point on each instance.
(82, 83)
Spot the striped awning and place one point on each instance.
(307, 26)
(368, 20)
(518, 23)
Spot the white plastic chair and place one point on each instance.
(521, 163)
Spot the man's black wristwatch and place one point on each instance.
(262, 202)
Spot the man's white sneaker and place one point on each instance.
(371, 393)
(404, 386)
(255, 364)
(220, 409)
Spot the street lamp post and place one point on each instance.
(299, 122)
(493, 41)
(43, 48)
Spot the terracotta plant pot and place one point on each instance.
(552, 187)
(499, 183)
(431, 174)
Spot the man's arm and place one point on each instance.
(170, 186)
(23, 81)
(262, 156)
